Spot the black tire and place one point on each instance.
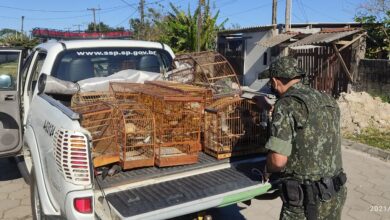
(23, 169)
(36, 206)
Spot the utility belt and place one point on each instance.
(307, 194)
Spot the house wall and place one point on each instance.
(254, 56)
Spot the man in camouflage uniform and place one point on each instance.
(305, 146)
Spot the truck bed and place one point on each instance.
(161, 193)
(136, 175)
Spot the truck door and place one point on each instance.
(10, 116)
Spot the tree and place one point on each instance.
(375, 17)
(148, 30)
(6, 31)
(102, 27)
(18, 40)
(180, 29)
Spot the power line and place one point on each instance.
(298, 18)
(59, 18)
(54, 11)
(6, 17)
(127, 18)
(247, 10)
(323, 14)
(303, 10)
(128, 4)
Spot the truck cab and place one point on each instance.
(43, 128)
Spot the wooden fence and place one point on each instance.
(324, 69)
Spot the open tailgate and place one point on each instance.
(189, 192)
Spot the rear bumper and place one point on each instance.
(70, 211)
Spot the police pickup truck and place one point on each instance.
(38, 128)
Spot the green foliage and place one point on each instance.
(149, 30)
(373, 137)
(179, 29)
(18, 40)
(385, 96)
(6, 31)
(102, 27)
(375, 17)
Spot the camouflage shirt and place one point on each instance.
(306, 128)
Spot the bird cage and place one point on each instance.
(192, 90)
(123, 92)
(207, 69)
(232, 128)
(99, 119)
(136, 135)
(177, 121)
(92, 97)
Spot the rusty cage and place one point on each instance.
(177, 121)
(92, 97)
(99, 119)
(136, 135)
(232, 128)
(207, 69)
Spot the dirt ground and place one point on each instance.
(359, 110)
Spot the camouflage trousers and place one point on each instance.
(329, 210)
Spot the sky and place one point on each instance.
(73, 14)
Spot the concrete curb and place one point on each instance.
(373, 151)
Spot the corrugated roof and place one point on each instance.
(275, 40)
(324, 37)
(247, 29)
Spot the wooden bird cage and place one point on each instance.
(123, 92)
(92, 97)
(207, 69)
(136, 135)
(192, 90)
(178, 118)
(232, 128)
(99, 119)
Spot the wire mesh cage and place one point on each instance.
(192, 90)
(99, 119)
(136, 135)
(92, 97)
(124, 92)
(207, 69)
(232, 128)
(178, 118)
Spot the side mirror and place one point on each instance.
(51, 85)
(5, 81)
(42, 83)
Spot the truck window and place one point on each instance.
(9, 64)
(76, 65)
(35, 72)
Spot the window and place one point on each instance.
(9, 66)
(76, 65)
(35, 72)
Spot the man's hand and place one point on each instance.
(276, 162)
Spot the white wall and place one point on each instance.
(253, 61)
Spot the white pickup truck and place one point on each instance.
(41, 129)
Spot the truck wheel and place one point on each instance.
(36, 207)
